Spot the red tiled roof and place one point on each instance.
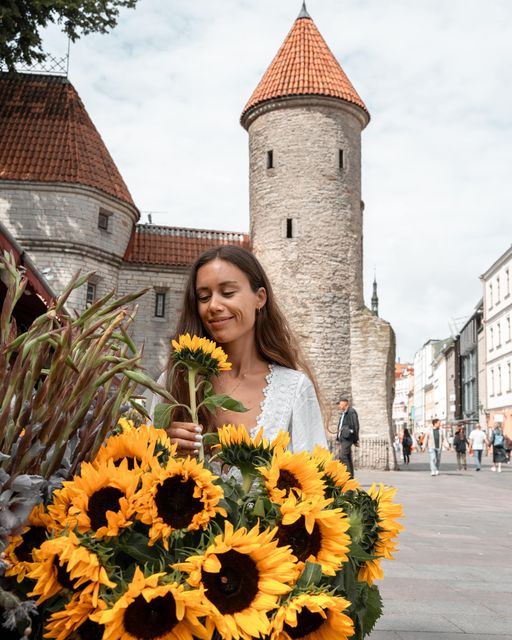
(46, 135)
(173, 246)
(304, 65)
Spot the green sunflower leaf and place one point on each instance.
(311, 575)
(223, 401)
(373, 610)
(163, 413)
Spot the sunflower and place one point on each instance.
(243, 574)
(200, 354)
(315, 532)
(292, 472)
(102, 498)
(387, 530)
(334, 472)
(236, 447)
(75, 618)
(179, 496)
(61, 563)
(59, 507)
(18, 555)
(137, 444)
(312, 616)
(148, 611)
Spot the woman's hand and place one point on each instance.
(187, 436)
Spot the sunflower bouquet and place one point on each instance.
(253, 542)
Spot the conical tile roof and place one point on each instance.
(46, 135)
(304, 65)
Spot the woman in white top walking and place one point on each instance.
(229, 299)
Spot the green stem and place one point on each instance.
(193, 404)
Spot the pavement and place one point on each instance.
(452, 575)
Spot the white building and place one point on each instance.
(498, 341)
(430, 383)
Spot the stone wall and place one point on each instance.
(152, 333)
(58, 225)
(373, 369)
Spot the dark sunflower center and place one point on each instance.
(90, 630)
(32, 539)
(176, 503)
(235, 586)
(307, 622)
(62, 575)
(130, 459)
(147, 620)
(303, 544)
(287, 481)
(106, 499)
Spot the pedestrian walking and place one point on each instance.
(460, 444)
(508, 447)
(435, 441)
(499, 454)
(347, 433)
(406, 445)
(477, 442)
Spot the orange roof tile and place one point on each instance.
(46, 135)
(173, 246)
(304, 65)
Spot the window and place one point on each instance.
(341, 159)
(490, 296)
(104, 220)
(160, 304)
(509, 337)
(507, 282)
(289, 227)
(270, 159)
(498, 294)
(509, 368)
(499, 380)
(499, 335)
(90, 295)
(491, 339)
(492, 382)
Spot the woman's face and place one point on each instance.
(226, 303)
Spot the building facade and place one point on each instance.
(497, 319)
(64, 200)
(404, 396)
(469, 367)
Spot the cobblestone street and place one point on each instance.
(452, 577)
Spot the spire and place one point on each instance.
(303, 12)
(375, 297)
(304, 66)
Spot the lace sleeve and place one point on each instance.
(307, 427)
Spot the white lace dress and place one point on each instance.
(289, 404)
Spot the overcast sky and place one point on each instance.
(167, 86)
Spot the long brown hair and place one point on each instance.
(275, 342)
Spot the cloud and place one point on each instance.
(167, 86)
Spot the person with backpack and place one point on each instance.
(499, 453)
(406, 445)
(460, 442)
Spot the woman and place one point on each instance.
(228, 299)
(499, 453)
(406, 445)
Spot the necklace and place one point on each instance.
(242, 378)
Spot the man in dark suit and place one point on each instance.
(347, 433)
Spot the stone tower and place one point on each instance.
(61, 194)
(304, 121)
